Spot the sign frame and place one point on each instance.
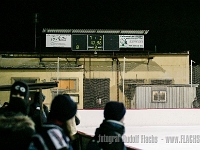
(131, 41)
(58, 40)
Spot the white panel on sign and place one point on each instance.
(58, 40)
(131, 41)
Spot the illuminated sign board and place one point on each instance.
(95, 42)
(131, 41)
(58, 40)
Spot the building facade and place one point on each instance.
(96, 79)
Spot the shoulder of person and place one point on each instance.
(17, 122)
(56, 138)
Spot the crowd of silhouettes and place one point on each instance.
(34, 127)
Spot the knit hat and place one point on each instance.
(62, 108)
(114, 111)
(19, 97)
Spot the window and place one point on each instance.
(159, 96)
(161, 81)
(134, 81)
(25, 79)
(67, 84)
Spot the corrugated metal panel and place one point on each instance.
(177, 97)
(94, 31)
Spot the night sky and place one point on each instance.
(174, 25)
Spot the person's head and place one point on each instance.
(5, 104)
(37, 97)
(62, 109)
(114, 111)
(19, 98)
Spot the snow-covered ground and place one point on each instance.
(155, 137)
(154, 129)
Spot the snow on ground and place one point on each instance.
(153, 129)
(158, 137)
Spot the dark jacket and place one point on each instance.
(109, 136)
(16, 131)
(53, 137)
(38, 116)
(35, 115)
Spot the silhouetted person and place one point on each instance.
(55, 133)
(111, 128)
(2, 109)
(16, 128)
(5, 104)
(196, 103)
(71, 126)
(35, 112)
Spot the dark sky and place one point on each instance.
(173, 24)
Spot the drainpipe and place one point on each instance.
(117, 80)
(123, 79)
(191, 72)
(57, 73)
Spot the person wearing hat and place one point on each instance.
(16, 128)
(109, 135)
(55, 132)
(71, 126)
(196, 103)
(35, 110)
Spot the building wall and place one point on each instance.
(163, 66)
(176, 97)
(172, 67)
(42, 75)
